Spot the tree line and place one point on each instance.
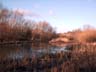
(14, 27)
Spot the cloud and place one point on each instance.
(25, 12)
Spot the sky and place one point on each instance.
(64, 15)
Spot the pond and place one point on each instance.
(16, 51)
(32, 57)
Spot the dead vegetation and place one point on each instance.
(81, 59)
(14, 27)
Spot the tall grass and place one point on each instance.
(81, 59)
(87, 35)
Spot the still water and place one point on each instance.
(28, 57)
(19, 51)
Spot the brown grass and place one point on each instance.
(88, 35)
(81, 59)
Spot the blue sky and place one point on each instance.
(65, 15)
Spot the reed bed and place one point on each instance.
(81, 59)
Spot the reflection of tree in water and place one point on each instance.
(14, 50)
(40, 45)
(24, 56)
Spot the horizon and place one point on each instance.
(65, 15)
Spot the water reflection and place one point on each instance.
(31, 57)
(19, 51)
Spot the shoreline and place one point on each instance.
(14, 42)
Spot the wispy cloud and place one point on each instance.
(25, 12)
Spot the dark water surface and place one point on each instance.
(31, 57)
(18, 51)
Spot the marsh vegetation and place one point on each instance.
(24, 46)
